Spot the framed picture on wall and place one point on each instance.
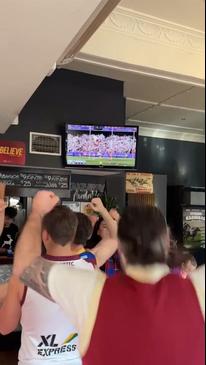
(194, 227)
(45, 144)
(139, 183)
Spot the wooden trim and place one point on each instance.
(140, 200)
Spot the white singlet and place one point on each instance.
(48, 337)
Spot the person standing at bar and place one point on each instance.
(10, 231)
(146, 315)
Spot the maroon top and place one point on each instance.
(147, 324)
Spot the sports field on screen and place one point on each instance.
(100, 161)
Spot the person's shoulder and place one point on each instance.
(198, 277)
(198, 280)
(77, 280)
(87, 255)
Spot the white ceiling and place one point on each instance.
(189, 13)
(166, 103)
(33, 36)
(153, 89)
(170, 116)
(156, 103)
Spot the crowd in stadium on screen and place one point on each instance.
(101, 145)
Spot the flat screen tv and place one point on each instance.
(101, 146)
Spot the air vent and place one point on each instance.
(45, 144)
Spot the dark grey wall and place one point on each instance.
(69, 96)
(116, 187)
(182, 162)
(160, 191)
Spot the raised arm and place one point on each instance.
(10, 310)
(98, 207)
(29, 243)
(106, 247)
(3, 292)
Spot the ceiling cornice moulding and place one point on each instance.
(156, 132)
(151, 29)
(115, 65)
(165, 126)
(186, 137)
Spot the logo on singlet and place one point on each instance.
(48, 346)
(48, 341)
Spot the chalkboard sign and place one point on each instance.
(34, 180)
(84, 192)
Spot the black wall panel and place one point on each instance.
(69, 96)
(182, 162)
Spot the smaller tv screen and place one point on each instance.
(101, 146)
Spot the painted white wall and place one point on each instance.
(33, 35)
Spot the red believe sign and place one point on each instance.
(12, 153)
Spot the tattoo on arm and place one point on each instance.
(36, 277)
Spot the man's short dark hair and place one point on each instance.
(11, 212)
(61, 225)
(84, 230)
(141, 232)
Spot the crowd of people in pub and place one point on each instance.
(105, 289)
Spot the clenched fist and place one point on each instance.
(44, 202)
(97, 205)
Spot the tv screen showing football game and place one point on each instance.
(101, 146)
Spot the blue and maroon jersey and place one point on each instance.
(112, 266)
